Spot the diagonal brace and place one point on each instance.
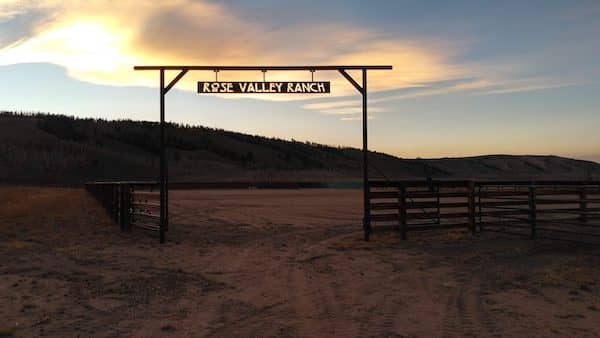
(352, 81)
(175, 80)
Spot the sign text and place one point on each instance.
(316, 87)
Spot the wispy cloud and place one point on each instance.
(352, 110)
(525, 85)
(357, 118)
(329, 105)
(477, 87)
(344, 108)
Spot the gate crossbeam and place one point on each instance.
(261, 68)
(183, 70)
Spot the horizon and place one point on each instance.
(468, 80)
(339, 146)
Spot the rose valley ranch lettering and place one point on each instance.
(313, 87)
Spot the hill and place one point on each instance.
(56, 149)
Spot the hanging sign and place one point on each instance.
(218, 87)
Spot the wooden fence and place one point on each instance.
(563, 210)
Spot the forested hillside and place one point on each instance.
(56, 149)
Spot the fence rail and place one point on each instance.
(563, 210)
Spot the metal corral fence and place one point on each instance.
(137, 203)
(422, 205)
(567, 211)
(130, 204)
(560, 210)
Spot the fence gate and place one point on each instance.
(421, 205)
(130, 204)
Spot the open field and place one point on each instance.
(277, 263)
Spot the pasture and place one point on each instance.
(284, 263)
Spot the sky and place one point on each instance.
(469, 77)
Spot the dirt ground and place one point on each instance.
(287, 263)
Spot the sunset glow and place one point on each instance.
(102, 47)
(445, 64)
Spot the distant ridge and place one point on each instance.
(57, 149)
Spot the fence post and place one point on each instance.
(124, 207)
(438, 220)
(129, 207)
(583, 205)
(471, 196)
(106, 191)
(367, 210)
(480, 209)
(532, 210)
(115, 201)
(121, 213)
(402, 211)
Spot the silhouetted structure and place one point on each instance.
(183, 70)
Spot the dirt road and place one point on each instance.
(277, 263)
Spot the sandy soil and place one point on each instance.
(277, 263)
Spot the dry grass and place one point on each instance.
(15, 244)
(575, 272)
(47, 214)
(35, 202)
(7, 332)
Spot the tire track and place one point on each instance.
(465, 313)
(280, 280)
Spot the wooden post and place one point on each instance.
(437, 192)
(532, 211)
(122, 206)
(479, 208)
(107, 198)
(167, 198)
(402, 211)
(126, 207)
(471, 203)
(114, 201)
(583, 205)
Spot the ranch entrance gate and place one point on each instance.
(163, 183)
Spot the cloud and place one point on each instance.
(525, 85)
(344, 108)
(357, 118)
(17, 23)
(352, 110)
(328, 105)
(477, 87)
(100, 41)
